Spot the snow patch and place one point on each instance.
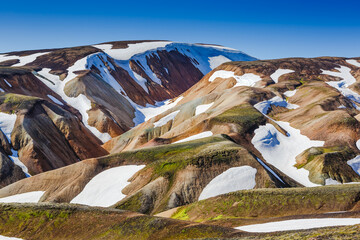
(342, 86)
(23, 60)
(290, 93)
(7, 122)
(29, 197)
(202, 108)
(142, 114)
(233, 179)
(358, 144)
(141, 81)
(131, 50)
(9, 238)
(105, 189)
(264, 106)
(298, 224)
(166, 119)
(278, 73)
(353, 62)
(217, 61)
(248, 79)
(196, 136)
(280, 150)
(330, 181)
(355, 164)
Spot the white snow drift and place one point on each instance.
(145, 113)
(9, 238)
(22, 60)
(355, 164)
(343, 85)
(290, 93)
(278, 73)
(353, 62)
(167, 118)
(196, 136)
(217, 61)
(131, 50)
(105, 189)
(280, 150)
(29, 197)
(298, 224)
(202, 108)
(248, 79)
(233, 179)
(7, 122)
(264, 106)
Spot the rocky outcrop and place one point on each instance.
(328, 163)
(46, 136)
(110, 111)
(9, 172)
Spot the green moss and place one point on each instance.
(263, 203)
(181, 214)
(10, 102)
(246, 117)
(64, 221)
(133, 203)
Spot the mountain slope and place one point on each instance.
(275, 117)
(95, 93)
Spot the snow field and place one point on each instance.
(353, 62)
(233, 179)
(264, 106)
(203, 108)
(298, 224)
(167, 118)
(7, 122)
(343, 85)
(9, 238)
(355, 164)
(290, 93)
(23, 60)
(105, 189)
(217, 61)
(131, 50)
(280, 150)
(29, 197)
(248, 79)
(278, 73)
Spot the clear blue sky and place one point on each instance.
(264, 29)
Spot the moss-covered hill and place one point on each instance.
(63, 221)
(260, 205)
(175, 174)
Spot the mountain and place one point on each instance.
(65, 103)
(234, 144)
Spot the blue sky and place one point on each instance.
(263, 29)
